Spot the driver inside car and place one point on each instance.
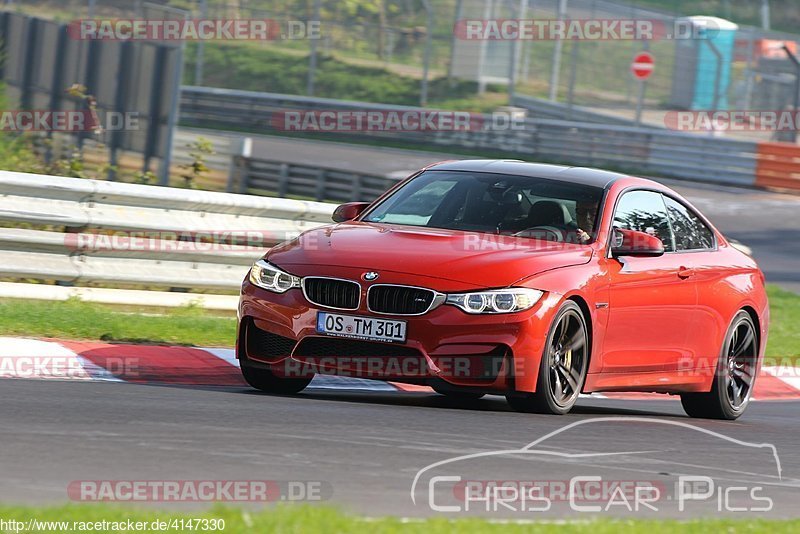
(548, 220)
(583, 225)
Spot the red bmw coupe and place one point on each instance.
(537, 282)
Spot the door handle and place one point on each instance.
(685, 272)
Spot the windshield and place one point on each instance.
(494, 203)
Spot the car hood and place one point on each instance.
(480, 260)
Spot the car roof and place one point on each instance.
(578, 175)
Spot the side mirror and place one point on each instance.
(349, 211)
(632, 243)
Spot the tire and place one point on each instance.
(735, 375)
(265, 380)
(464, 395)
(565, 361)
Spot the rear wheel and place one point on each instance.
(734, 378)
(265, 380)
(562, 371)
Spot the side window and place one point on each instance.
(644, 211)
(689, 230)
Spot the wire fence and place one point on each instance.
(410, 52)
(754, 73)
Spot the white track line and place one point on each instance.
(319, 381)
(789, 375)
(33, 358)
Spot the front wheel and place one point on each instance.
(265, 380)
(735, 375)
(563, 368)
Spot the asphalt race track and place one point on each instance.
(366, 448)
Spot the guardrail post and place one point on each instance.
(151, 140)
(355, 195)
(57, 87)
(172, 116)
(124, 84)
(239, 166)
(26, 89)
(283, 180)
(321, 175)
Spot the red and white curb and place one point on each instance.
(178, 365)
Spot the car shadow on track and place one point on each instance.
(489, 403)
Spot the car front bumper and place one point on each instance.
(495, 353)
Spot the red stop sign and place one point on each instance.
(643, 65)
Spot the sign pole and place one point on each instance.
(642, 68)
(640, 102)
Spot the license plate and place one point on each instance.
(370, 328)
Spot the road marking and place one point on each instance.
(177, 365)
(33, 358)
(788, 375)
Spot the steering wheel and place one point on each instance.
(548, 233)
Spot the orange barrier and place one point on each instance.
(778, 165)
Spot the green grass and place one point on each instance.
(16, 151)
(74, 319)
(248, 67)
(784, 333)
(299, 519)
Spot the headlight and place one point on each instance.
(513, 299)
(271, 278)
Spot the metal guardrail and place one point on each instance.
(256, 176)
(633, 149)
(88, 232)
(64, 229)
(545, 109)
